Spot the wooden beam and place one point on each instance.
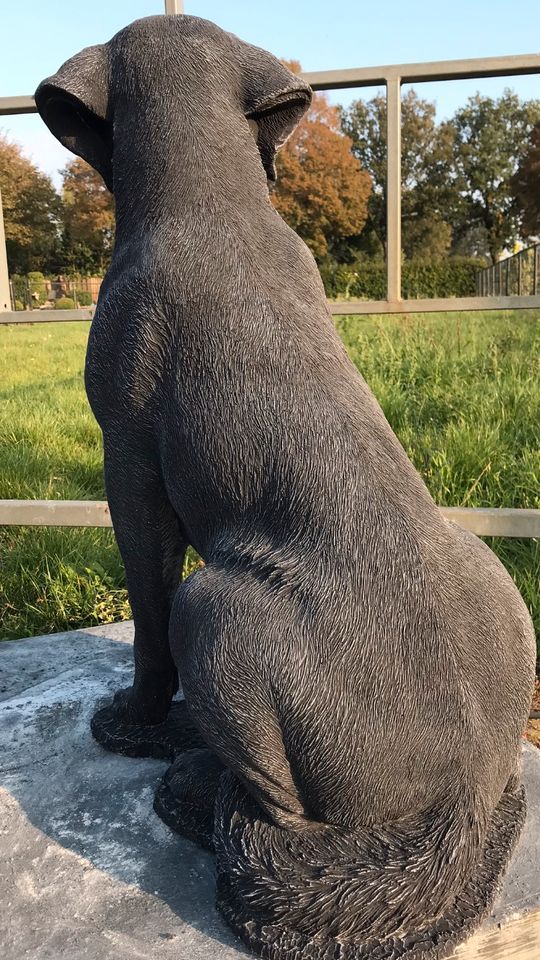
(516, 938)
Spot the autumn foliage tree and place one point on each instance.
(88, 218)
(322, 191)
(31, 209)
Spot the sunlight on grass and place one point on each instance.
(462, 391)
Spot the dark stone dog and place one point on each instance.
(341, 650)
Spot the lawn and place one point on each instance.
(462, 391)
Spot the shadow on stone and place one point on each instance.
(87, 868)
(90, 869)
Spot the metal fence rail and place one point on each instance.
(338, 308)
(393, 77)
(518, 275)
(484, 522)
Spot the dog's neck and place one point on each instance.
(165, 170)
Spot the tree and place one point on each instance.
(526, 188)
(321, 191)
(428, 193)
(31, 209)
(88, 215)
(491, 141)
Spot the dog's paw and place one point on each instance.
(114, 728)
(128, 707)
(185, 796)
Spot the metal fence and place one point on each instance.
(522, 523)
(518, 275)
(60, 294)
(392, 77)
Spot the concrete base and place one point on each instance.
(87, 870)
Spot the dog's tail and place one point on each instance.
(409, 890)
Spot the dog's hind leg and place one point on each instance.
(185, 797)
(140, 720)
(220, 638)
(288, 882)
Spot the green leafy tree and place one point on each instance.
(526, 188)
(491, 142)
(428, 191)
(31, 209)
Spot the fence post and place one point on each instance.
(393, 188)
(519, 273)
(5, 297)
(535, 269)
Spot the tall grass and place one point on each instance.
(462, 391)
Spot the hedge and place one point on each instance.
(366, 280)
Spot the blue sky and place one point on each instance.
(38, 36)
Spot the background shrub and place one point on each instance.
(65, 303)
(366, 279)
(84, 298)
(37, 287)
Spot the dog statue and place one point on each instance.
(342, 649)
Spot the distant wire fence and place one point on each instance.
(517, 276)
(35, 292)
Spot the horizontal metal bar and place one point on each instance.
(45, 316)
(496, 521)
(55, 513)
(485, 522)
(376, 76)
(12, 105)
(441, 305)
(338, 307)
(425, 72)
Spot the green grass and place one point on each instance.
(462, 391)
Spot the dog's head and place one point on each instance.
(169, 62)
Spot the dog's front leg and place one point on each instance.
(152, 546)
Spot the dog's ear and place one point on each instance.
(276, 99)
(73, 103)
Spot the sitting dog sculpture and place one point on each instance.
(341, 647)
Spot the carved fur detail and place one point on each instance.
(340, 650)
(412, 891)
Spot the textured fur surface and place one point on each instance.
(340, 650)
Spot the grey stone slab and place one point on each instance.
(86, 868)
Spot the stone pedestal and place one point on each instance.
(88, 871)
